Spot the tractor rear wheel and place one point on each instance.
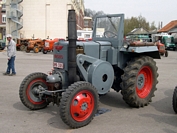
(174, 102)
(36, 49)
(29, 88)
(22, 48)
(139, 81)
(79, 104)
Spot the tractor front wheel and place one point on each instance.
(166, 53)
(27, 50)
(29, 89)
(44, 51)
(79, 104)
(174, 102)
(139, 81)
(162, 54)
(36, 49)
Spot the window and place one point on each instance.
(3, 6)
(87, 35)
(3, 18)
(78, 34)
(86, 23)
(3, 1)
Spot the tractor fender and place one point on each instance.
(99, 73)
(151, 51)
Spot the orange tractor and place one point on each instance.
(35, 45)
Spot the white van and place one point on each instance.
(84, 35)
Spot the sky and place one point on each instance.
(156, 11)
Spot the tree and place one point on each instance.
(152, 26)
(137, 22)
(92, 13)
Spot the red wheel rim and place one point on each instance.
(144, 82)
(82, 105)
(32, 97)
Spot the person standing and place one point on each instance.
(11, 53)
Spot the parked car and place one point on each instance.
(2, 44)
(49, 44)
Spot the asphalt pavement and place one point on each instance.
(157, 117)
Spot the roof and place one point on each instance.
(138, 31)
(174, 30)
(169, 26)
(153, 31)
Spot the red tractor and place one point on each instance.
(49, 44)
(161, 48)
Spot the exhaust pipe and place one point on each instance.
(72, 37)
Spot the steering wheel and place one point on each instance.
(110, 34)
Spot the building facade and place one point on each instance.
(2, 20)
(42, 18)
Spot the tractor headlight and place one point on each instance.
(125, 45)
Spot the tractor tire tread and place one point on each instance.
(129, 80)
(66, 97)
(174, 100)
(22, 91)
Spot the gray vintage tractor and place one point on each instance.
(174, 100)
(84, 70)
